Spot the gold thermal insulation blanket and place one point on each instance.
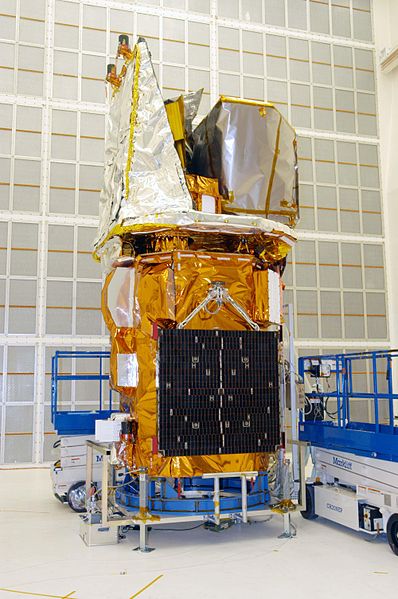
(159, 291)
(202, 189)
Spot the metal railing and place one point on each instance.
(343, 368)
(74, 420)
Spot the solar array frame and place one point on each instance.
(218, 392)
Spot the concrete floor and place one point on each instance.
(41, 555)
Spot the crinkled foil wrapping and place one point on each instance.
(251, 149)
(191, 103)
(143, 174)
(196, 223)
(167, 287)
(191, 107)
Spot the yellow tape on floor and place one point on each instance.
(146, 587)
(39, 594)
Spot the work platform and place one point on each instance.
(354, 481)
(75, 421)
(375, 438)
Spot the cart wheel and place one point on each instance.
(392, 533)
(309, 512)
(77, 497)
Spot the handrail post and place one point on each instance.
(349, 388)
(390, 393)
(301, 373)
(375, 393)
(53, 388)
(293, 397)
(344, 374)
(338, 392)
(100, 383)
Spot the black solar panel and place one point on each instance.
(218, 392)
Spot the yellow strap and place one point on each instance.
(133, 119)
(274, 162)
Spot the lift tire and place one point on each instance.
(392, 533)
(309, 512)
(77, 497)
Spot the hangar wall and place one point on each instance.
(313, 58)
(386, 38)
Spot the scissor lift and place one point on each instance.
(355, 462)
(75, 426)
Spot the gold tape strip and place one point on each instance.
(15, 249)
(68, 24)
(71, 75)
(27, 131)
(276, 56)
(361, 9)
(32, 19)
(263, 212)
(133, 118)
(33, 307)
(299, 59)
(234, 100)
(274, 162)
(34, 185)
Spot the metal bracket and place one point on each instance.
(220, 295)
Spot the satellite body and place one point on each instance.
(193, 262)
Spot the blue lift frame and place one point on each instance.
(372, 439)
(78, 422)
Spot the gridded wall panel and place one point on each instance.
(338, 289)
(73, 283)
(316, 85)
(340, 186)
(313, 58)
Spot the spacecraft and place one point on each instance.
(195, 226)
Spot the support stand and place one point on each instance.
(288, 530)
(144, 533)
